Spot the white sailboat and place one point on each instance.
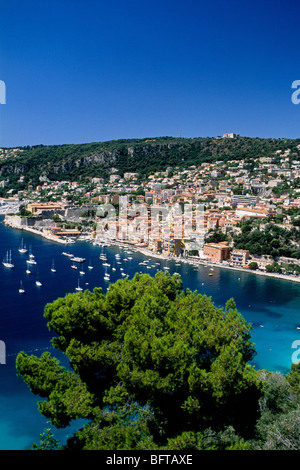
(30, 253)
(90, 265)
(21, 289)
(106, 275)
(53, 268)
(22, 248)
(78, 287)
(38, 282)
(7, 262)
(102, 255)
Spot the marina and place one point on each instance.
(271, 305)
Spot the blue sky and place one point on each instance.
(95, 70)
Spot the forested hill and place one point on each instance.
(80, 161)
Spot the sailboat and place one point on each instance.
(38, 282)
(102, 255)
(22, 248)
(21, 289)
(90, 265)
(7, 262)
(106, 275)
(53, 268)
(166, 266)
(78, 287)
(30, 253)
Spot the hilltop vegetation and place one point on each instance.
(83, 161)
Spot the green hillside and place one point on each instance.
(83, 161)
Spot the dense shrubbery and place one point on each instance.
(268, 239)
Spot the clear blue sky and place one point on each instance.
(95, 70)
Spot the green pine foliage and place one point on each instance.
(154, 366)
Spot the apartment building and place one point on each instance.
(240, 257)
(216, 252)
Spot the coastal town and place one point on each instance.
(225, 195)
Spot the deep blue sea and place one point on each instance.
(270, 305)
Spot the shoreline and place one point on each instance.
(47, 236)
(200, 262)
(144, 251)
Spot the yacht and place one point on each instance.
(31, 261)
(77, 259)
(7, 262)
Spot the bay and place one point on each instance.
(270, 305)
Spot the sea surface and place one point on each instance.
(270, 305)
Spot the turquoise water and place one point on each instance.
(271, 305)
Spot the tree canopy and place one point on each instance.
(150, 363)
